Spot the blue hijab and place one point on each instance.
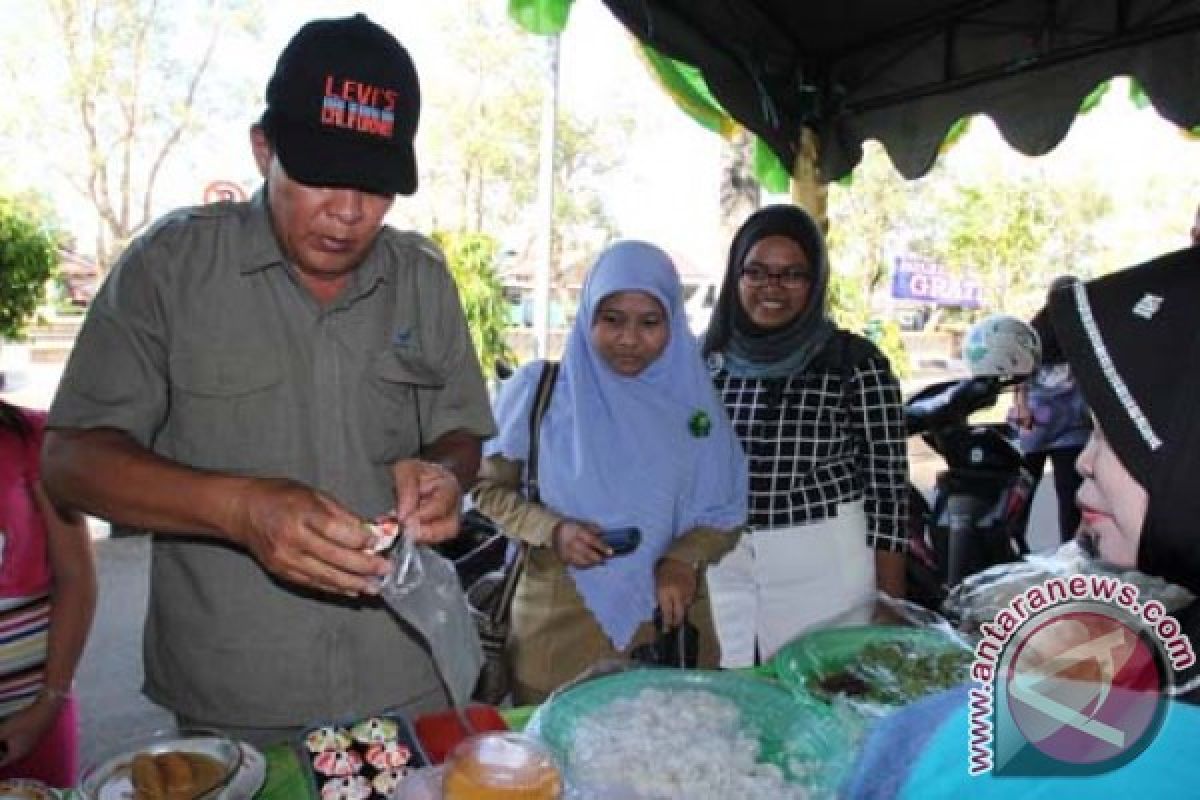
(620, 451)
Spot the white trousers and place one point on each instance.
(778, 583)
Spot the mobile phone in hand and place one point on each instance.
(623, 541)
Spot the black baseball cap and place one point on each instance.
(342, 108)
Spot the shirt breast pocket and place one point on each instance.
(229, 412)
(394, 404)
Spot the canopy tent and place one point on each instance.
(905, 71)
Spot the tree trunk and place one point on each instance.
(740, 192)
(808, 190)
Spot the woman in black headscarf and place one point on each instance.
(819, 414)
(1139, 505)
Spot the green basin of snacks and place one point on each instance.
(803, 739)
(872, 664)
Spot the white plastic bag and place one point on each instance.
(424, 591)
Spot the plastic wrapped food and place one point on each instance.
(980, 597)
(667, 733)
(866, 671)
(360, 759)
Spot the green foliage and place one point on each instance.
(128, 85)
(886, 336)
(27, 261)
(1011, 230)
(485, 124)
(471, 257)
(851, 312)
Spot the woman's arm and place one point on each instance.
(677, 573)
(73, 604)
(498, 496)
(877, 419)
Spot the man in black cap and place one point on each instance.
(255, 379)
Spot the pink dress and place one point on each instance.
(25, 581)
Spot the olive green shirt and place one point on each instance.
(203, 346)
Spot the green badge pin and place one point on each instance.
(700, 424)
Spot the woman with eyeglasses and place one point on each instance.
(819, 414)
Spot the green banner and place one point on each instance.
(683, 82)
(688, 88)
(542, 17)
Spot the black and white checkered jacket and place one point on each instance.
(813, 443)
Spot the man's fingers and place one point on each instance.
(434, 531)
(671, 613)
(340, 527)
(407, 477)
(317, 574)
(350, 560)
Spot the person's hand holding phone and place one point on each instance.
(578, 544)
(621, 541)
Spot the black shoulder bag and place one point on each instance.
(490, 597)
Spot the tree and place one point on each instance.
(27, 261)
(865, 213)
(1015, 233)
(1011, 229)
(740, 191)
(484, 127)
(135, 85)
(471, 257)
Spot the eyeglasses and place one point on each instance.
(793, 278)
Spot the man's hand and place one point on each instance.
(579, 544)
(300, 535)
(675, 584)
(429, 495)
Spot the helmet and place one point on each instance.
(1003, 346)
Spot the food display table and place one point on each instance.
(285, 774)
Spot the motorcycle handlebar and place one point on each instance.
(950, 404)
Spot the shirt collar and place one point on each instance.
(262, 250)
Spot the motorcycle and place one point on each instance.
(980, 503)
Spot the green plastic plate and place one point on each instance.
(802, 739)
(805, 660)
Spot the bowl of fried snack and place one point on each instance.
(177, 764)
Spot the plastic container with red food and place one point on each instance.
(440, 731)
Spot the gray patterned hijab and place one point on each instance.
(755, 352)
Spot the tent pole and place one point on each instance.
(808, 190)
(545, 202)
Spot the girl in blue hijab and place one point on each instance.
(634, 435)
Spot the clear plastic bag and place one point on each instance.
(863, 672)
(423, 590)
(980, 597)
(408, 569)
(419, 784)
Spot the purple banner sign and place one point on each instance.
(915, 278)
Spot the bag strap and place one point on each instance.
(541, 401)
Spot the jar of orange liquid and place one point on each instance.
(501, 766)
